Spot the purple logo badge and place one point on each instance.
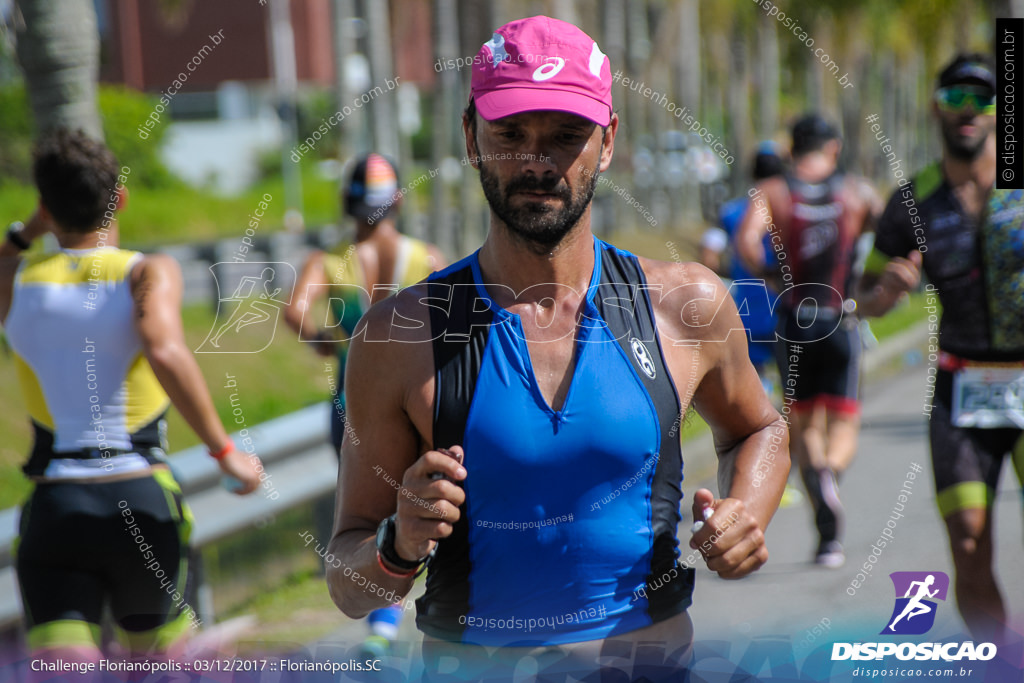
(916, 593)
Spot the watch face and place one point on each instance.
(382, 532)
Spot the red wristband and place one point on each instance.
(392, 572)
(219, 455)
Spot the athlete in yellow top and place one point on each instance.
(97, 339)
(380, 262)
(352, 276)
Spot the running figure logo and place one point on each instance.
(914, 612)
(253, 304)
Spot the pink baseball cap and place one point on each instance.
(542, 63)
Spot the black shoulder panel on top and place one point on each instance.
(459, 332)
(624, 303)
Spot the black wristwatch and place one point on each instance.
(386, 547)
(14, 235)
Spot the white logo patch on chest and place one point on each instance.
(643, 357)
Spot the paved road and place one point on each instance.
(795, 607)
(790, 597)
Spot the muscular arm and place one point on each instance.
(754, 226)
(887, 273)
(872, 204)
(311, 285)
(156, 295)
(10, 255)
(385, 461)
(751, 439)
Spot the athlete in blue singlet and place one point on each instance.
(526, 401)
(755, 307)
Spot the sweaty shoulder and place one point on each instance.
(775, 188)
(391, 354)
(403, 318)
(686, 298)
(153, 267)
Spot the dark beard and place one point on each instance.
(962, 150)
(538, 226)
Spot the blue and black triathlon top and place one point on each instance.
(978, 269)
(568, 513)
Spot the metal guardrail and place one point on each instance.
(197, 258)
(296, 455)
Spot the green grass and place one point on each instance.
(183, 213)
(15, 435)
(186, 214)
(280, 379)
(295, 612)
(267, 572)
(903, 316)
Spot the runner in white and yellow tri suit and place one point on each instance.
(97, 341)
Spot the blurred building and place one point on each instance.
(225, 112)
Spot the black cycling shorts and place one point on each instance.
(820, 362)
(124, 543)
(966, 460)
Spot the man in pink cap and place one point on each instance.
(526, 403)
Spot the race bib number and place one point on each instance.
(988, 398)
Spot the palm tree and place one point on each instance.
(59, 48)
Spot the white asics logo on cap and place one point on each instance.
(548, 69)
(596, 60)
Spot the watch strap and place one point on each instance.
(14, 235)
(386, 549)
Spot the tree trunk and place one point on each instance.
(446, 96)
(738, 139)
(688, 65)
(768, 46)
(59, 52)
(382, 107)
(351, 141)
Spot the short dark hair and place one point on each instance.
(76, 177)
(767, 165)
(470, 112)
(811, 132)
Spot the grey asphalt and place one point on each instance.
(790, 596)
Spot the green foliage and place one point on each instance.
(123, 111)
(313, 111)
(16, 140)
